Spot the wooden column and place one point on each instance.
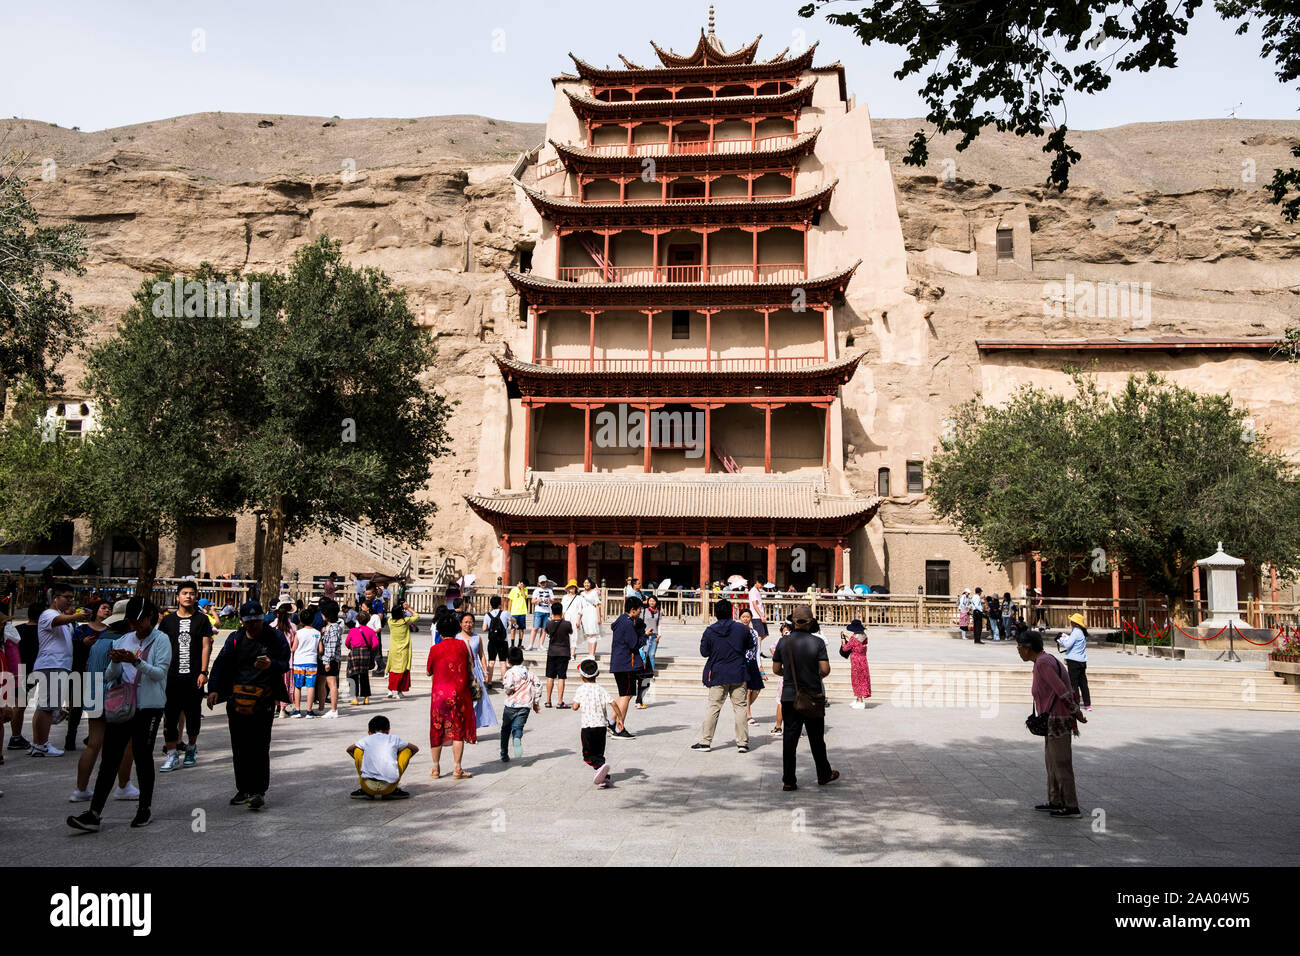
(771, 560)
(573, 559)
(609, 273)
(1038, 572)
(528, 438)
(767, 333)
(586, 438)
(506, 570)
(1114, 593)
(704, 571)
(767, 439)
(754, 233)
(646, 438)
(637, 559)
(828, 433)
(591, 341)
(649, 339)
(533, 320)
(704, 256)
(654, 268)
(838, 551)
(1272, 574)
(826, 333)
(1196, 593)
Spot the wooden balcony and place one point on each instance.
(718, 272)
(686, 147)
(759, 363)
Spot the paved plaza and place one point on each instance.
(928, 786)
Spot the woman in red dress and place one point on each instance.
(451, 709)
(853, 639)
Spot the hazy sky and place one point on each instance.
(94, 64)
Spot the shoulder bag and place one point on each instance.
(1036, 722)
(121, 701)
(806, 703)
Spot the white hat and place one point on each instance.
(541, 579)
(119, 613)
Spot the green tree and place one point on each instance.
(1153, 476)
(336, 424)
(38, 321)
(166, 386)
(1011, 64)
(39, 465)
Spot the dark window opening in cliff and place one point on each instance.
(915, 478)
(936, 578)
(525, 260)
(681, 323)
(1006, 247)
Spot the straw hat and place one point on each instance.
(1077, 618)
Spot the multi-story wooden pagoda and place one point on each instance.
(678, 282)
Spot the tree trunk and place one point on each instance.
(273, 553)
(148, 572)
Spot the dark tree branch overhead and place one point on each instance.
(1012, 64)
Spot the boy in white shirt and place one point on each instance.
(381, 758)
(522, 692)
(304, 657)
(593, 701)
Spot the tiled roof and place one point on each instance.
(641, 74)
(595, 495)
(588, 106)
(844, 365)
(581, 156)
(708, 47)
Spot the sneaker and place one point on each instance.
(142, 818)
(602, 775)
(330, 715)
(742, 749)
(129, 792)
(401, 696)
(191, 756)
(296, 713)
(256, 802)
(519, 747)
(835, 775)
(171, 763)
(777, 732)
(390, 696)
(52, 751)
(238, 799)
(39, 750)
(858, 705)
(1067, 812)
(505, 759)
(80, 796)
(84, 821)
(19, 743)
(1049, 807)
(307, 716)
(398, 794)
(704, 748)
(359, 794)
(604, 785)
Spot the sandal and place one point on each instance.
(753, 722)
(461, 774)
(434, 773)
(548, 703)
(778, 732)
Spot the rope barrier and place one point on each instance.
(1195, 638)
(1249, 641)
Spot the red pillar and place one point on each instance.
(828, 434)
(646, 433)
(586, 438)
(591, 342)
(609, 274)
(649, 341)
(767, 334)
(708, 339)
(536, 320)
(1196, 592)
(704, 256)
(767, 439)
(573, 559)
(839, 564)
(1114, 594)
(805, 250)
(771, 559)
(637, 559)
(1038, 573)
(654, 272)
(708, 438)
(704, 563)
(505, 560)
(528, 438)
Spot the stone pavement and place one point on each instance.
(929, 786)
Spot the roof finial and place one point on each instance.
(710, 19)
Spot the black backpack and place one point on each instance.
(496, 629)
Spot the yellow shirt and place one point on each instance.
(518, 601)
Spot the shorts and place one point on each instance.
(557, 667)
(540, 618)
(13, 663)
(304, 675)
(625, 683)
(760, 626)
(51, 688)
(497, 650)
(520, 621)
(328, 669)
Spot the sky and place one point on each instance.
(96, 65)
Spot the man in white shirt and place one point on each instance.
(759, 620)
(542, 598)
(53, 663)
(384, 757)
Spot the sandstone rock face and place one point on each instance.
(1179, 206)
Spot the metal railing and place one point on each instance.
(721, 272)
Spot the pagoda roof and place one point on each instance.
(567, 211)
(741, 503)
(555, 293)
(673, 75)
(708, 49)
(528, 380)
(582, 159)
(588, 107)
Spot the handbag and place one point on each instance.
(845, 652)
(476, 690)
(1036, 722)
(121, 701)
(806, 703)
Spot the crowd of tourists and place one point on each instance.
(122, 671)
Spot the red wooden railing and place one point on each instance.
(691, 146)
(724, 198)
(657, 364)
(718, 272)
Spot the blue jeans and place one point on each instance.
(512, 725)
(651, 645)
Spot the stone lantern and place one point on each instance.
(1221, 582)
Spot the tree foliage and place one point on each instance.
(38, 321)
(39, 466)
(1012, 64)
(1154, 476)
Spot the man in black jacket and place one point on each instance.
(800, 659)
(249, 676)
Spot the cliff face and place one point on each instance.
(429, 202)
